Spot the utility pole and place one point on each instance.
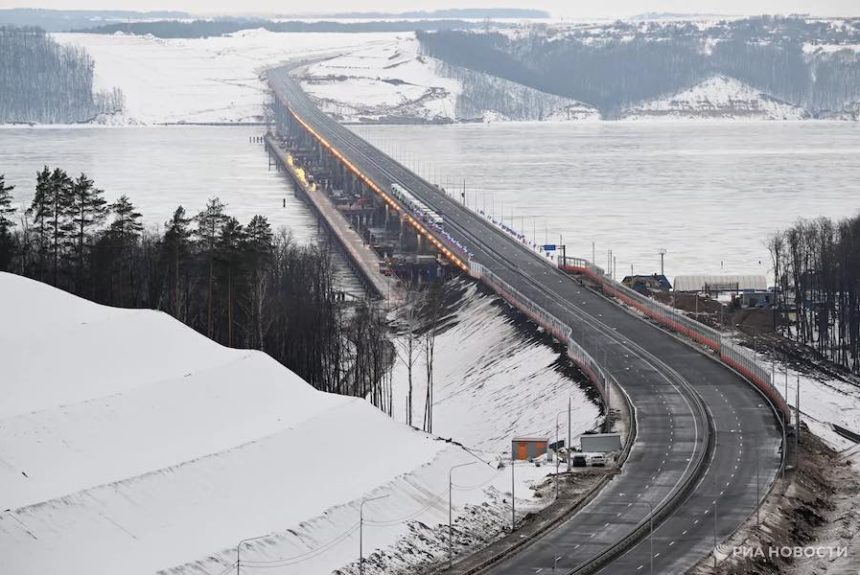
(662, 252)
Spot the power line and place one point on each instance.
(284, 561)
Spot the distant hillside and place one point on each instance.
(810, 64)
(220, 27)
(471, 13)
(67, 20)
(43, 82)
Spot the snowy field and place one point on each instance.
(824, 401)
(116, 452)
(212, 80)
(161, 450)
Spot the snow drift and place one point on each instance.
(131, 444)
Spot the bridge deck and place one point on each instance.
(358, 251)
(702, 430)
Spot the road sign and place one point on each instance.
(549, 247)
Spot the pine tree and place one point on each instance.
(209, 223)
(123, 232)
(39, 212)
(7, 245)
(230, 244)
(175, 250)
(126, 224)
(59, 194)
(259, 249)
(88, 209)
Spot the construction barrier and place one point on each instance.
(729, 353)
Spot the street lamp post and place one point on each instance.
(569, 439)
(650, 534)
(239, 549)
(361, 531)
(450, 506)
(650, 528)
(556, 448)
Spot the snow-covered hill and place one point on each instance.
(394, 82)
(131, 444)
(210, 80)
(718, 97)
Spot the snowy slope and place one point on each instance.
(718, 97)
(210, 80)
(394, 82)
(131, 444)
(496, 381)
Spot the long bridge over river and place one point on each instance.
(709, 426)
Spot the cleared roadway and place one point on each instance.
(684, 401)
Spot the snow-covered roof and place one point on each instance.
(698, 282)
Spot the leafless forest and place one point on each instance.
(817, 270)
(43, 82)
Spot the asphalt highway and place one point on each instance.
(708, 445)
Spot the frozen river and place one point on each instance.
(161, 168)
(708, 192)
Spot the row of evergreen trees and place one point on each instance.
(44, 82)
(241, 285)
(817, 268)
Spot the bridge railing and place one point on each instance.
(548, 321)
(730, 353)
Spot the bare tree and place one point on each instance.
(407, 344)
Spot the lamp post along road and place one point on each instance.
(556, 445)
(361, 531)
(239, 549)
(569, 440)
(650, 527)
(450, 513)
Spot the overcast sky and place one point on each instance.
(558, 8)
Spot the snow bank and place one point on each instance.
(210, 80)
(131, 444)
(718, 97)
(496, 381)
(824, 401)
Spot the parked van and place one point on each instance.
(597, 460)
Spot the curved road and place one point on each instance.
(689, 408)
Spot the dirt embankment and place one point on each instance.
(814, 508)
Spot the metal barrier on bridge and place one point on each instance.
(733, 355)
(548, 321)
